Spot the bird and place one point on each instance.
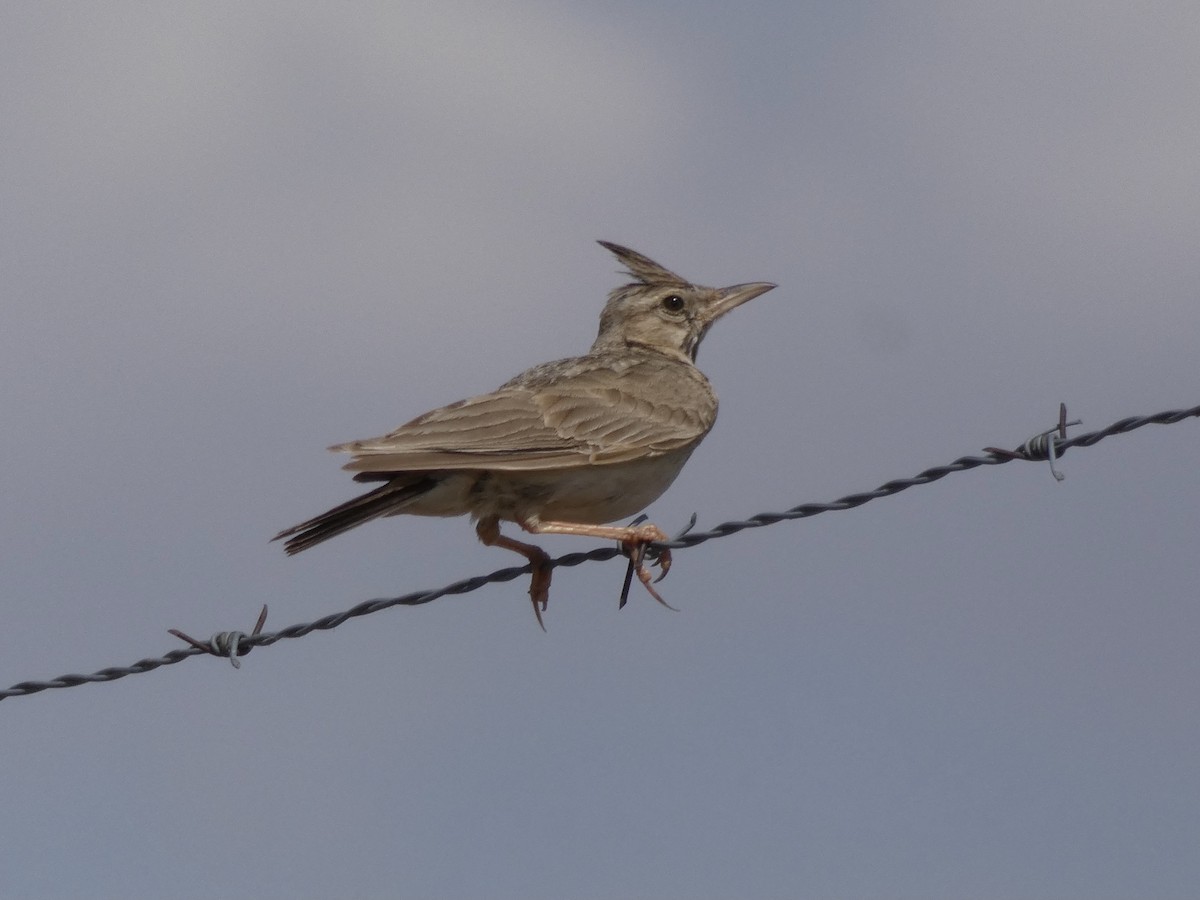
(566, 447)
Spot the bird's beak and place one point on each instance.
(731, 297)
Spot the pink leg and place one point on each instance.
(633, 538)
(539, 585)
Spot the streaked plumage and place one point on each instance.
(565, 446)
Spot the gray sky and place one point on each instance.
(235, 233)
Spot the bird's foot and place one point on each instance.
(539, 563)
(635, 546)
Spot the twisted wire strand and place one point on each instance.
(244, 643)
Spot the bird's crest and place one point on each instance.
(644, 269)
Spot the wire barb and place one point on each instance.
(1046, 445)
(231, 644)
(686, 538)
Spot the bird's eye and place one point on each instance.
(673, 303)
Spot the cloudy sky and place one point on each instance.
(235, 233)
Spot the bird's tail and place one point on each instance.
(382, 501)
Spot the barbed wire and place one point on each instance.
(1048, 445)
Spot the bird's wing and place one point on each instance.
(584, 416)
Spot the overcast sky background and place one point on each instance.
(235, 233)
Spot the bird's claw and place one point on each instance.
(539, 591)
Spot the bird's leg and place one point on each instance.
(539, 584)
(633, 539)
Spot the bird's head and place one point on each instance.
(661, 311)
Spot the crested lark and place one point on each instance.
(565, 447)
